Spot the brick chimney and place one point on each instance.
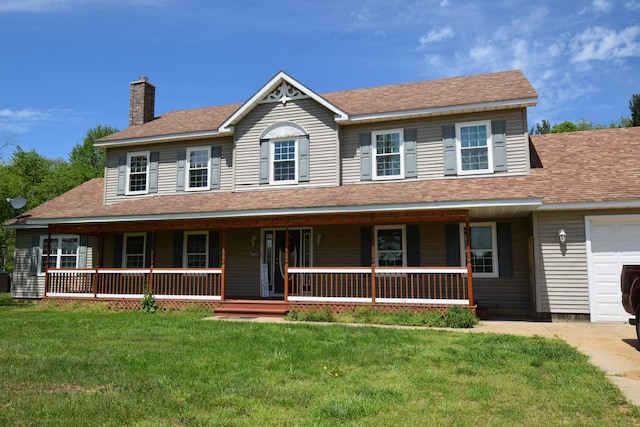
(142, 98)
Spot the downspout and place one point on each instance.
(152, 261)
(286, 262)
(223, 264)
(46, 267)
(468, 251)
(373, 259)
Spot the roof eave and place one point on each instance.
(164, 138)
(439, 111)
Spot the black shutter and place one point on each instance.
(505, 255)
(413, 246)
(365, 246)
(453, 245)
(214, 249)
(178, 241)
(147, 254)
(117, 250)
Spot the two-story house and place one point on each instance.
(423, 194)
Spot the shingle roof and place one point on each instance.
(578, 167)
(424, 95)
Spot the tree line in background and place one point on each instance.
(545, 127)
(38, 179)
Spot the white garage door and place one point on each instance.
(611, 242)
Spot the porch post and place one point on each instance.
(469, 269)
(373, 259)
(46, 267)
(286, 263)
(223, 263)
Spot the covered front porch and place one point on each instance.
(299, 260)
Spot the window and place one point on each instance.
(484, 253)
(196, 246)
(388, 155)
(62, 251)
(197, 170)
(284, 155)
(134, 250)
(473, 143)
(391, 246)
(137, 173)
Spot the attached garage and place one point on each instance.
(612, 241)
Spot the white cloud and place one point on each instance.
(632, 5)
(602, 6)
(598, 43)
(22, 121)
(39, 6)
(436, 36)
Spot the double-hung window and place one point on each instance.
(196, 246)
(474, 147)
(484, 249)
(197, 168)
(60, 252)
(137, 173)
(284, 155)
(134, 250)
(391, 246)
(388, 154)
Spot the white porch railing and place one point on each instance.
(413, 285)
(166, 283)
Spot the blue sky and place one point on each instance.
(66, 65)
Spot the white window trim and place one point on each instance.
(124, 248)
(188, 169)
(404, 240)
(184, 247)
(129, 156)
(272, 160)
(374, 155)
(494, 249)
(58, 255)
(489, 169)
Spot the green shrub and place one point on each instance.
(149, 302)
(458, 317)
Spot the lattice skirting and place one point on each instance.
(134, 304)
(385, 308)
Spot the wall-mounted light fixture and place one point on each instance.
(318, 239)
(254, 240)
(562, 236)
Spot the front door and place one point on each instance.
(275, 255)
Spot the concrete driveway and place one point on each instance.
(612, 347)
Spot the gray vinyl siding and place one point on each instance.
(340, 246)
(316, 120)
(24, 284)
(429, 145)
(562, 273)
(167, 169)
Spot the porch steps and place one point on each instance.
(252, 308)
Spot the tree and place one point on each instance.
(541, 128)
(634, 106)
(565, 126)
(86, 160)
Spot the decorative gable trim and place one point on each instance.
(283, 130)
(284, 93)
(272, 87)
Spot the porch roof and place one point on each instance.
(593, 169)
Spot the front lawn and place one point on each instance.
(172, 369)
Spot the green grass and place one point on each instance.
(100, 367)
